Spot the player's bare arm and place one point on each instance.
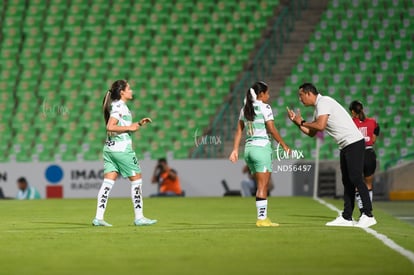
(234, 156)
(270, 127)
(112, 125)
(308, 128)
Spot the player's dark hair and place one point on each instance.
(22, 180)
(309, 88)
(248, 110)
(358, 108)
(114, 93)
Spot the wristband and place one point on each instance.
(139, 123)
(301, 123)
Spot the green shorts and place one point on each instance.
(124, 163)
(258, 158)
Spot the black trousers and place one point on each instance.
(352, 165)
(370, 162)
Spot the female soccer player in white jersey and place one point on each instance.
(257, 117)
(119, 158)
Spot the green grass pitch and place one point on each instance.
(194, 236)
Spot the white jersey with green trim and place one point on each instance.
(30, 193)
(256, 133)
(119, 142)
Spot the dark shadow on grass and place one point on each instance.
(46, 228)
(210, 226)
(182, 227)
(239, 226)
(314, 217)
(242, 227)
(75, 225)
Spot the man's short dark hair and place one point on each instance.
(308, 87)
(22, 180)
(162, 160)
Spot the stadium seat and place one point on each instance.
(72, 51)
(367, 45)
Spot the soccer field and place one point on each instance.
(194, 236)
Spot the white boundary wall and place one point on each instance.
(199, 177)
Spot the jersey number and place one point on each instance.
(249, 128)
(110, 143)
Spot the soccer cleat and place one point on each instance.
(340, 221)
(365, 221)
(144, 221)
(97, 222)
(266, 223)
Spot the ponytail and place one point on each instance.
(113, 94)
(251, 95)
(358, 109)
(248, 109)
(106, 106)
(361, 116)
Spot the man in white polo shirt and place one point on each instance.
(331, 116)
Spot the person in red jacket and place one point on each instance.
(370, 130)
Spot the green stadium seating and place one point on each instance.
(66, 54)
(362, 50)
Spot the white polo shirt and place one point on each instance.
(340, 125)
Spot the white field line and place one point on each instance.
(383, 238)
(406, 218)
